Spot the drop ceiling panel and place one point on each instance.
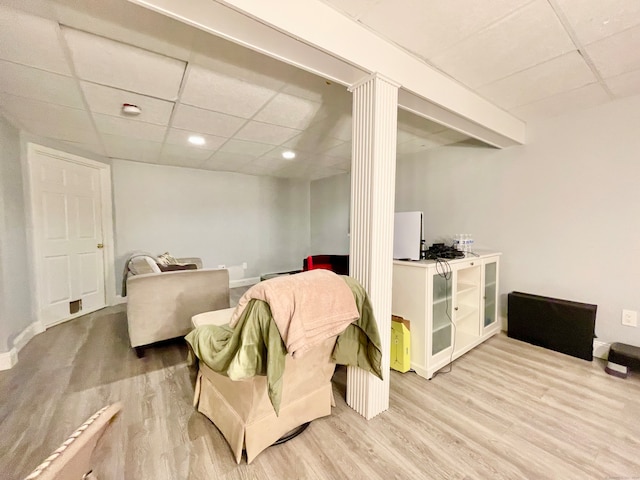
(324, 172)
(324, 161)
(413, 146)
(59, 131)
(271, 162)
(198, 120)
(242, 147)
(276, 155)
(222, 93)
(107, 62)
(172, 154)
(32, 41)
(290, 111)
(109, 101)
(252, 169)
(180, 161)
(493, 54)
(227, 160)
(311, 142)
(227, 58)
(594, 20)
(342, 151)
(335, 125)
(353, 8)
(37, 84)
(295, 170)
(312, 87)
(428, 28)
(516, 51)
(560, 74)
(266, 133)
(625, 85)
(123, 127)
(129, 23)
(86, 147)
(617, 54)
(181, 138)
(580, 98)
(126, 149)
(60, 117)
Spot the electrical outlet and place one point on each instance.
(630, 318)
(244, 265)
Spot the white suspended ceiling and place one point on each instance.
(67, 66)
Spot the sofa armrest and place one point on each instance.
(160, 305)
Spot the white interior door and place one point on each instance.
(66, 206)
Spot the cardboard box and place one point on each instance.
(400, 344)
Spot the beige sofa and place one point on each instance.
(160, 305)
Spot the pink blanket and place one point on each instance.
(307, 308)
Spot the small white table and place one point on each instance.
(214, 317)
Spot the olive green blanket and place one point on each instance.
(254, 346)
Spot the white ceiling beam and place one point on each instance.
(311, 35)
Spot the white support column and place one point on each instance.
(373, 174)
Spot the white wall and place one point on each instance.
(225, 218)
(330, 199)
(563, 208)
(15, 297)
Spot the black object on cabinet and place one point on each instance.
(561, 325)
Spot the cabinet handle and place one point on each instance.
(456, 309)
(472, 264)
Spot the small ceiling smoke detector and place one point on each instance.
(130, 109)
(289, 155)
(196, 140)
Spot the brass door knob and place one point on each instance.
(100, 245)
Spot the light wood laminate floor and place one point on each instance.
(507, 410)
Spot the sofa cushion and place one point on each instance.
(178, 266)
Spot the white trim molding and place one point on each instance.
(9, 359)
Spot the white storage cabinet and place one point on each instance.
(452, 306)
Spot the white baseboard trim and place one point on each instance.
(119, 300)
(601, 349)
(245, 282)
(10, 358)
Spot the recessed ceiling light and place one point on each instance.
(196, 140)
(289, 155)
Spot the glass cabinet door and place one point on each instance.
(442, 301)
(490, 293)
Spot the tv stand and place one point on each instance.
(451, 306)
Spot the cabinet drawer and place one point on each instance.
(469, 262)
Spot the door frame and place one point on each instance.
(34, 245)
